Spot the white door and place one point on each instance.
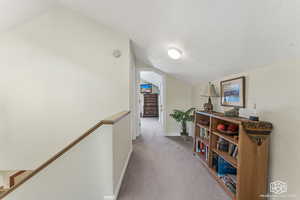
(162, 103)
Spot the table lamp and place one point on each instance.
(210, 91)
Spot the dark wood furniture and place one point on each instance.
(150, 105)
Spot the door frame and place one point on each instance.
(162, 111)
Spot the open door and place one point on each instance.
(157, 79)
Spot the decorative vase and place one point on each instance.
(208, 107)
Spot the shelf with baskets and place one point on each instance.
(232, 157)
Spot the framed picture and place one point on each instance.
(146, 88)
(233, 92)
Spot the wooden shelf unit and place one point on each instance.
(226, 157)
(202, 126)
(215, 176)
(205, 141)
(251, 162)
(228, 138)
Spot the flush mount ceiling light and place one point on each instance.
(174, 53)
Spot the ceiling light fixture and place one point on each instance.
(174, 53)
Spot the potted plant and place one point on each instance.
(183, 117)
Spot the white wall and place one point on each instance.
(58, 78)
(197, 99)
(275, 91)
(90, 170)
(5, 176)
(122, 149)
(14, 12)
(151, 77)
(2, 179)
(179, 96)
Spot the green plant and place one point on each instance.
(183, 117)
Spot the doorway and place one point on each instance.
(151, 97)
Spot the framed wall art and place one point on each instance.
(233, 92)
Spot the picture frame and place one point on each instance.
(233, 92)
(146, 88)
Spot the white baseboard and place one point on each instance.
(122, 176)
(190, 131)
(111, 197)
(172, 134)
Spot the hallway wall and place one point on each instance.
(58, 78)
(274, 90)
(93, 169)
(179, 96)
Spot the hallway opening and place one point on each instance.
(151, 123)
(151, 97)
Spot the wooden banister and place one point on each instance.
(12, 178)
(108, 121)
(115, 118)
(2, 190)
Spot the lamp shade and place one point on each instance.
(210, 91)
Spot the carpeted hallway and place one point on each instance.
(164, 168)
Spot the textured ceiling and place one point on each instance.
(218, 38)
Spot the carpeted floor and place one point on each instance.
(164, 168)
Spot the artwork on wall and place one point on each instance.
(146, 88)
(233, 92)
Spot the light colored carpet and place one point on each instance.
(164, 168)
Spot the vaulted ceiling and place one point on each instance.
(151, 77)
(218, 38)
(13, 12)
